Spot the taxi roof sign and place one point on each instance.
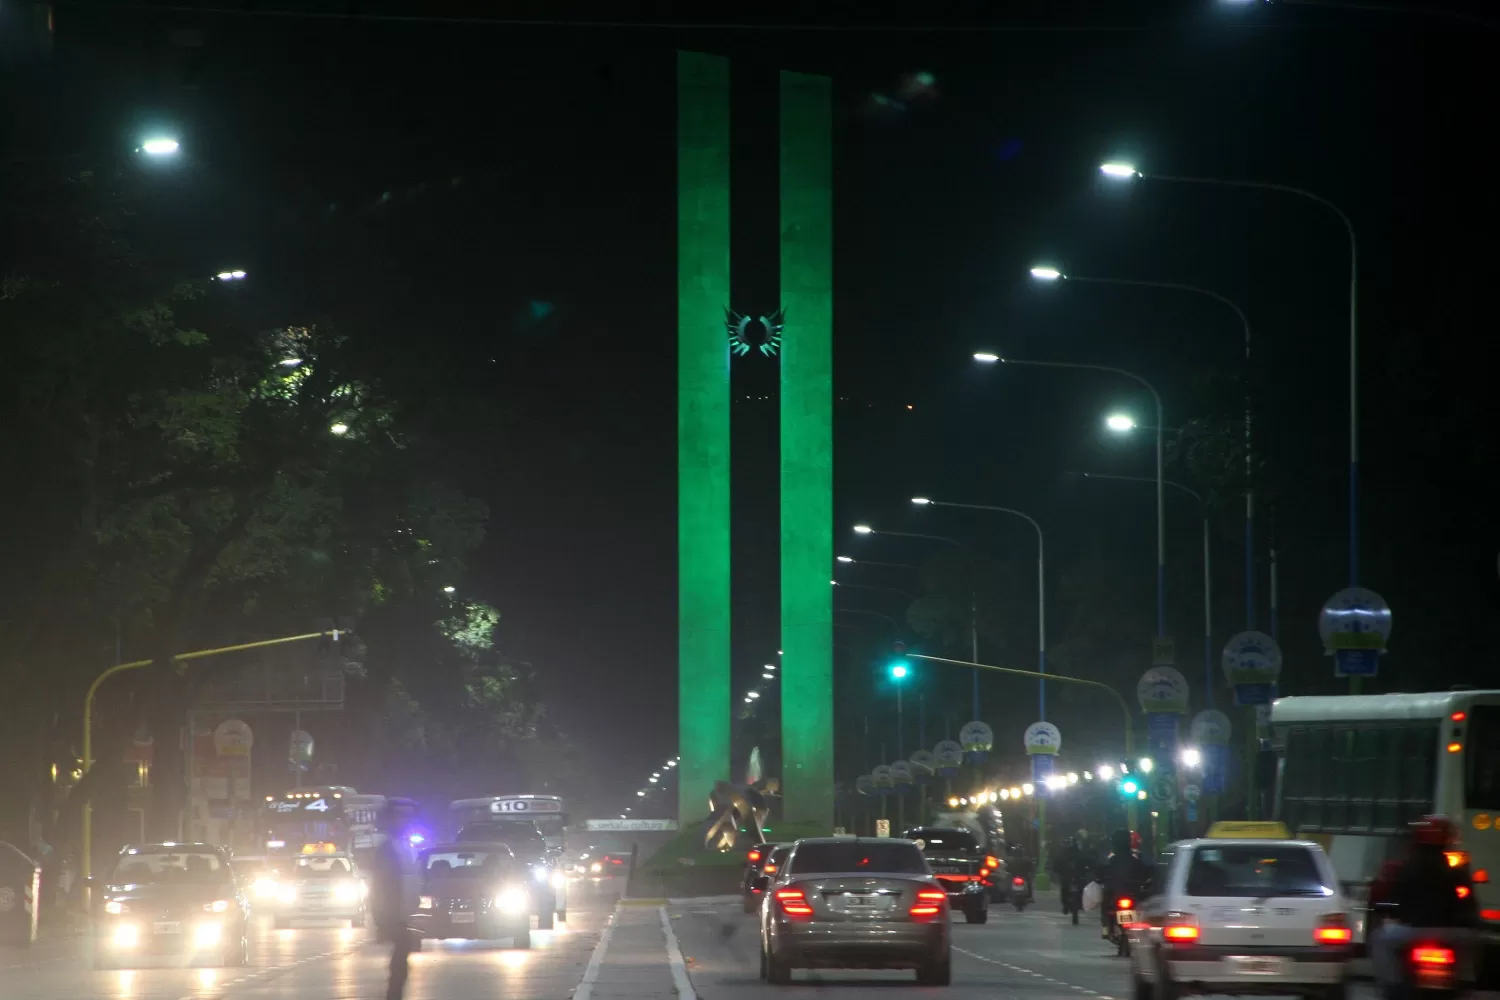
(1244, 830)
(320, 848)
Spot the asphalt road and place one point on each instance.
(323, 963)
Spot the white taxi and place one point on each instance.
(1246, 910)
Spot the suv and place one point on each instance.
(531, 853)
(958, 861)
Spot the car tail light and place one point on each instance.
(983, 872)
(753, 856)
(1431, 954)
(1482, 875)
(1018, 881)
(793, 903)
(1334, 929)
(769, 869)
(1180, 928)
(1124, 903)
(929, 903)
(991, 862)
(1456, 859)
(1489, 914)
(1462, 891)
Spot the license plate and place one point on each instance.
(1125, 917)
(463, 918)
(1257, 965)
(166, 927)
(863, 904)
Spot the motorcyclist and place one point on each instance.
(1418, 891)
(1123, 873)
(390, 878)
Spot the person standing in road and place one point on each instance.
(389, 903)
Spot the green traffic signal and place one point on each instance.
(1129, 787)
(899, 671)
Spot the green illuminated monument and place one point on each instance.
(702, 429)
(806, 357)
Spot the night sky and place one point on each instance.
(494, 205)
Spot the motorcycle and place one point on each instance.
(1020, 891)
(1431, 970)
(1122, 917)
(1072, 899)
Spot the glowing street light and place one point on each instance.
(863, 529)
(1106, 772)
(1072, 777)
(1120, 423)
(987, 357)
(160, 146)
(230, 276)
(449, 589)
(753, 694)
(1192, 757)
(844, 559)
(921, 501)
(1028, 789)
(1046, 273)
(1119, 171)
(769, 676)
(339, 429)
(290, 362)
(1146, 765)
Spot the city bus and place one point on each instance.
(545, 812)
(1354, 770)
(303, 816)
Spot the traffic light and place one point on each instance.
(1129, 788)
(899, 670)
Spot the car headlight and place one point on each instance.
(346, 892)
(286, 894)
(207, 934)
(424, 902)
(126, 936)
(541, 874)
(559, 880)
(596, 868)
(217, 906)
(114, 907)
(513, 901)
(265, 886)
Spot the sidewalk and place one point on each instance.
(638, 958)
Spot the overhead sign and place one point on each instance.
(1042, 738)
(524, 805)
(300, 747)
(1210, 727)
(233, 738)
(1162, 689)
(1164, 651)
(630, 825)
(976, 737)
(950, 755)
(901, 773)
(1355, 618)
(882, 777)
(882, 828)
(864, 784)
(1252, 663)
(923, 764)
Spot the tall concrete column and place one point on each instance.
(702, 429)
(807, 448)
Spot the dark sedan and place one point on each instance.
(474, 891)
(960, 864)
(170, 900)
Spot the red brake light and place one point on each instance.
(1428, 954)
(1459, 716)
(1463, 891)
(1482, 875)
(1018, 880)
(1185, 933)
(1456, 859)
(1333, 935)
(1124, 903)
(754, 855)
(932, 894)
(1489, 914)
(793, 903)
(991, 862)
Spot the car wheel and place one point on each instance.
(778, 972)
(1166, 987)
(544, 920)
(522, 940)
(1140, 989)
(938, 973)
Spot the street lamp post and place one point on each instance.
(1041, 586)
(1126, 171)
(987, 357)
(1208, 591)
(1051, 274)
(865, 529)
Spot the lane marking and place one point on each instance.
(585, 988)
(674, 959)
(1037, 975)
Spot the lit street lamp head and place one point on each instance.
(159, 146)
(1120, 423)
(230, 276)
(1046, 273)
(339, 429)
(863, 529)
(845, 559)
(921, 501)
(986, 357)
(1119, 171)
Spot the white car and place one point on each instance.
(321, 887)
(1246, 911)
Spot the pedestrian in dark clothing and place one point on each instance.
(390, 874)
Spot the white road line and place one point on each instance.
(674, 959)
(585, 988)
(1037, 975)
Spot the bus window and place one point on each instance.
(1482, 759)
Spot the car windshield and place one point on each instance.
(888, 859)
(1255, 871)
(518, 835)
(324, 868)
(465, 863)
(170, 867)
(945, 841)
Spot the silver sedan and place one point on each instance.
(855, 903)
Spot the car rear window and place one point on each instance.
(889, 859)
(947, 841)
(1255, 871)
